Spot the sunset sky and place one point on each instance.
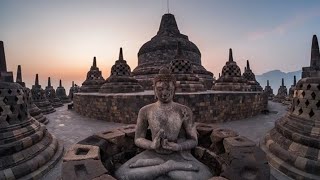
(60, 38)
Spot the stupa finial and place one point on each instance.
(248, 65)
(294, 81)
(3, 64)
(49, 82)
(230, 55)
(19, 76)
(72, 83)
(60, 83)
(315, 54)
(121, 54)
(94, 64)
(282, 82)
(267, 82)
(37, 80)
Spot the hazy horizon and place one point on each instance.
(59, 39)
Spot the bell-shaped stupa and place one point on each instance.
(161, 50)
(268, 90)
(231, 79)
(120, 80)
(282, 93)
(51, 95)
(27, 149)
(61, 93)
(293, 145)
(39, 98)
(182, 69)
(94, 79)
(251, 78)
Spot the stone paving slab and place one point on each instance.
(70, 128)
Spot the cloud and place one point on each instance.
(282, 28)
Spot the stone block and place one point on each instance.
(217, 137)
(129, 130)
(81, 152)
(82, 170)
(237, 143)
(114, 136)
(218, 178)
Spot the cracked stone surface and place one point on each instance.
(70, 128)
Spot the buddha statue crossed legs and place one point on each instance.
(174, 134)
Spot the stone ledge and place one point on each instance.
(80, 152)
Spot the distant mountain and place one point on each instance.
(274, 78)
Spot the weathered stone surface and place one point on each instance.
(238, 142)
(207, 107)
(82, 170)
(217, 178)
(246, 163)
(120, 80)
(217, 137)
(293, 146)
(27, 150)
(94, 79)
(104, 177)
(231, 79)
(182, 69)
(160, 51)
(80, 152)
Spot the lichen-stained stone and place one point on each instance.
(80, 152)
(27, 149)
(293, 145)
(217, 137)
(161, 50)
(231, 79)
(120, 80)
(94, 79)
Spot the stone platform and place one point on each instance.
(207, 106)
(70, 128)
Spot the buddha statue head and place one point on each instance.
(164, 85)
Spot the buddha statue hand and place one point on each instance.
(156, 143)
(170, 145)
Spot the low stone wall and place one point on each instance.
(208, 106)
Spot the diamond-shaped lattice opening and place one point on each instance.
(300, 111)
(19, 117)
(8, 118)
(318, 86)
(307, 103)
(301, 85)
(298, 102)
(318, 104)
(16, 98)
(311, 113)
(1, 110)
(18, 91)
(12, 108)
(309, 86)
(21, 107)
(313, 95)
(303, 93)
(292, 109)
(9, 91)
(5, 100)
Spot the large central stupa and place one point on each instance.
(161, 50)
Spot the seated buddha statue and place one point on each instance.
(167, 155)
